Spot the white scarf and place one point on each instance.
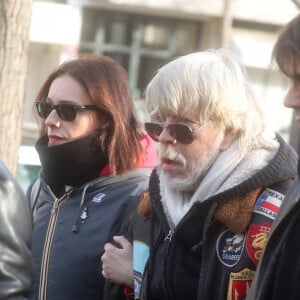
(228, 170)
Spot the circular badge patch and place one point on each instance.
(229, 248)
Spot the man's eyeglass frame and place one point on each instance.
(180, 132)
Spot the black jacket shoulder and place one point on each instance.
(15, 239)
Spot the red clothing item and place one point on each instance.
(128, 291)
(149, 160)
(151, 152)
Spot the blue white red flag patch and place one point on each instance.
(229, 247)
(268, 203)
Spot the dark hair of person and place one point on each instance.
(287, 47)
(106, 84)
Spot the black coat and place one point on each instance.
(70, 233)
(205, 257)
(15, 239)
(193, 260)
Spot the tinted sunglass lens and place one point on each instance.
(43, 109)
(154, 130)
(66, 112)
(181, 133)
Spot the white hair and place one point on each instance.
(210, 86)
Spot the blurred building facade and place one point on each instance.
(144, 34)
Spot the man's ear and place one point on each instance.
(229, 136)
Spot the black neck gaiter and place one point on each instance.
(73, 163)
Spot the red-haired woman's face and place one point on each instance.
(66, 90)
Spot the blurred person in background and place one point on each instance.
(218, 186)
(15, 239)
(278, 273)
(95, 161)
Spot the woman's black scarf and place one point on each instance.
(73, 163)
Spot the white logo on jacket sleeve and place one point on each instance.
(98, 198)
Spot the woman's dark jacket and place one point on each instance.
(70, 230)
(15, 239)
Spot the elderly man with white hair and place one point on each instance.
(218, 185)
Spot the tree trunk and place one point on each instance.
(226, 24)
(15, 18)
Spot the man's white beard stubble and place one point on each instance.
(194, 172)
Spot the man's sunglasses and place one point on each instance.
(182, 133)
(66, 112)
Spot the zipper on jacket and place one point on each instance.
(169, 236)
(54, 207)
(147, 274)
(48, 241)
(55, 201)
(168, 239)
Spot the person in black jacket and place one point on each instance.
(96, 160)
(15, 239)
(218, 186)
(278, 274)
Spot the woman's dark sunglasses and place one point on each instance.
(182, 133)
(66, 112)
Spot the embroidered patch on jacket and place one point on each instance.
(268, 203)
(239, 284)
(140, 257)
(229, 247)
(256, 240)
(98, 198)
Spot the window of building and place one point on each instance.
(140, 43)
